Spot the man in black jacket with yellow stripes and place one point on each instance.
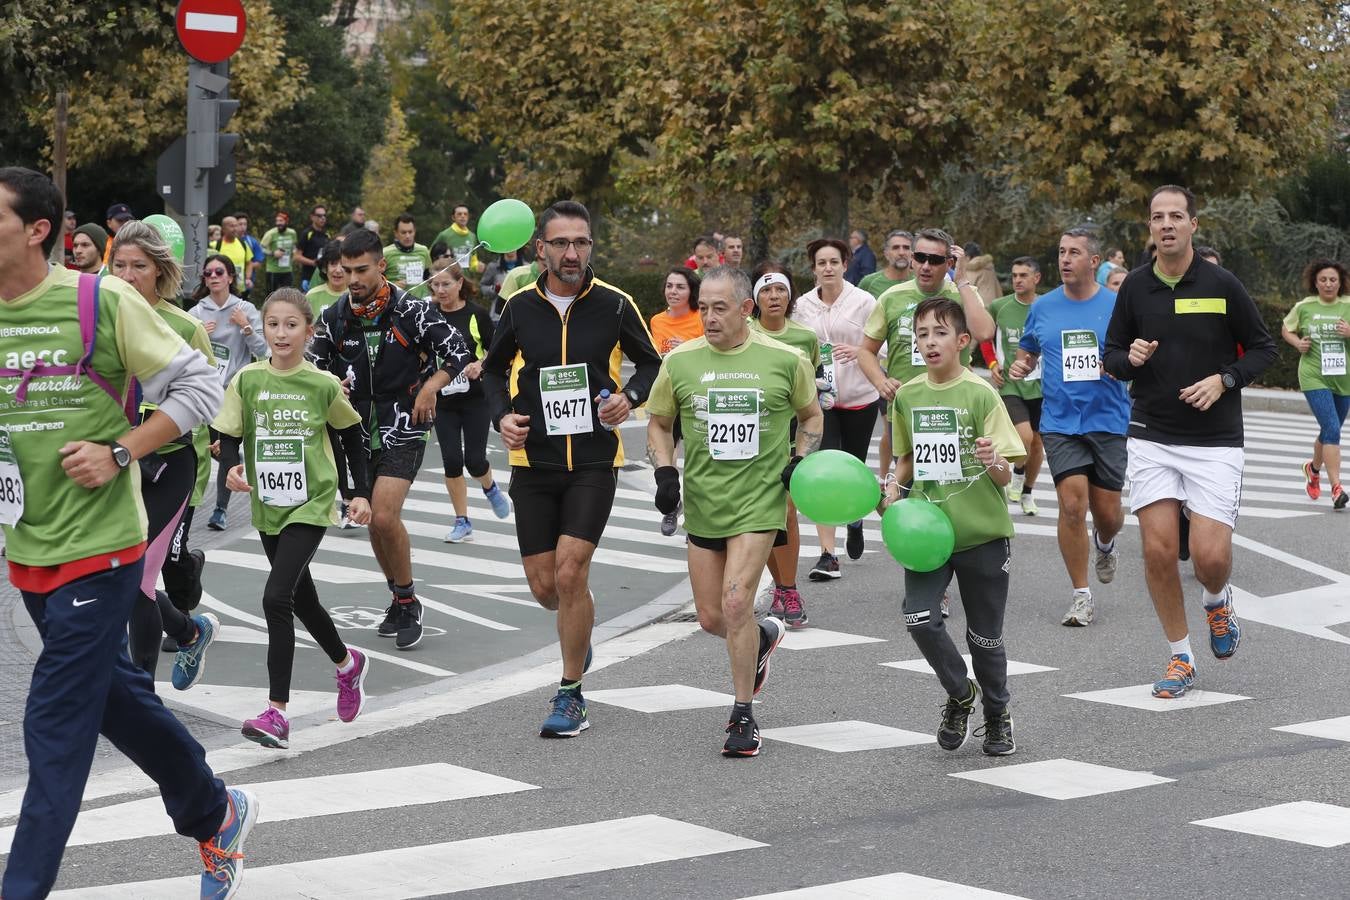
(552, 381)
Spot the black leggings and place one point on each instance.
(462, 431)
(849, 430)
(228, 459)
(164, 492)
(182, 581)
(290, 595)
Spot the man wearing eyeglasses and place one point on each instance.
(892, 319)
(553, 384)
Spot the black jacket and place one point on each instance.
(601, 323)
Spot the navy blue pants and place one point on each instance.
(84, 685)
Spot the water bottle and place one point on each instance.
(604, 397)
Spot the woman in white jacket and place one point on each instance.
(836, 311)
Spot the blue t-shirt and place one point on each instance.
(1103, 271)
(1075, 407)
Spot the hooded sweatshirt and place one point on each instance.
(980, 271)
(840, 323)
(233, 348)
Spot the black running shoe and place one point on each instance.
(409, 625)
(389, 627)
(826, 568)
(194, 597)
(771, 631)
(997, 731)
(952, 732)
(854, 544)
(742, 736)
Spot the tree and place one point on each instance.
(1105, 101)
(387, 189)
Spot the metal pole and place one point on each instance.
(203, 85)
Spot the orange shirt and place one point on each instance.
(666, 331)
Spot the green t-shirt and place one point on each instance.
(948, 418)
(892, 321)
(462, 242)
(877, 283)
(283, 239)
(281, 418)
(321, 297)
(58, 521)
(1010, 318)
(519, 277)
(794, 335)
(193, 333)
(407, 267)
(735, 408)
(1316, 321)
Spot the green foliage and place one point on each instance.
(1321, 192)
(1283, 373)
(46, 46)
(387, 189)
(646, 288)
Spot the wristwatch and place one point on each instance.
(1229, 382)
(632, 396)
(121, 455)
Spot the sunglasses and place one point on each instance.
(215, 273)
(933, 259)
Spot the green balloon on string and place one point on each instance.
(170, 231)
(918, 534)
(506, 225)
(832, 487)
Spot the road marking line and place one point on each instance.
(602, 556)
(887, 887)
(466, 616)
(490, 592)
(324, 572)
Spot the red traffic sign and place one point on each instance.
(210, 30)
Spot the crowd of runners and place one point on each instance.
(318, 408)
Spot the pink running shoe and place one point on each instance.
(351, 697)
(776, 606)
(271, 729)
(794, 611)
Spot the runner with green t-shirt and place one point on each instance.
(1022, 396)
(409, 263)
(899, 245)
(735, 391)
(279, 410)
(462, 241)
(279, 245)
(1317, 328)
(950, 432)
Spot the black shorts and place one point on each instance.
(719, 545)
(1099, 455)
(1021, 409)
(552, 502)
(400, 461)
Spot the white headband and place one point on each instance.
(769, 278)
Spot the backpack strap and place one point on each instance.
(89, 306)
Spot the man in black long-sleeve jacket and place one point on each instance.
(552, 383)
(1174, 334)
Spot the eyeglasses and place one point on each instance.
(561, 244)
(933, 259)
(215, 273)
(319, 215)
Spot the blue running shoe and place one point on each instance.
(190, 661)
(1224, 630)
(1178, 679)
(223, 855)
(501, 506)
(568, 718)
(463, 531)
(217, 520)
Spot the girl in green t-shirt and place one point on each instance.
(280, 410)
(1316, 327)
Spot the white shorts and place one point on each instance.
(1207, 480)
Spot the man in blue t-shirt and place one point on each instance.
(1084, 415)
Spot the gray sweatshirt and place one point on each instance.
(233, 348)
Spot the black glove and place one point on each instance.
(667, 489)
(787, 472)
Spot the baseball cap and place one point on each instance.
(119, 211)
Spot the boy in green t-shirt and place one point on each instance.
(950, 430)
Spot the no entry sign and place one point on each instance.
(210, 30)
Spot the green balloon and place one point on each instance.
(918, 534)
(169, 230)
(506, 225)
(832, 487)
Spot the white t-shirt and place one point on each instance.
(559, 301)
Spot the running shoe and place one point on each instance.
(1015, 484)
(190, 661)
(223, 855)
(1177, 680)
(945, 607)
(854, 543)
(826, 568)
(351, 697)
(217, 520)
(1080, 612)
(568, 718)
(776, 607)
(952, 732)
(794, 611)
(271, 729)
(671, 520)
(389, 627)
(194, 597)
(1338, 497)
(345, 522)
(1029, 507)
(463, 531)
(771, 633)
(1224, 631)
(1106, 561)
(997, 732)
(501, 507)
(742, 736)
(409, 624)
(1312, 481)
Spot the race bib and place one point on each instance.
(460, 385)
(566, 395)
(412, 272)
(827, 364)
(733, 423)
(11, 484)
(1333, 357)
(937, 444)
(915, 357)
(279, 463)
(1081, 359)
(222, 355)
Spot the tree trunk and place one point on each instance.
(58, 254)
(834, 205)
(759, 226)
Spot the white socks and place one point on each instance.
(1182, 646)
(1213, 600)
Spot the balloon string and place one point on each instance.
(969, 484)
(461, 261)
